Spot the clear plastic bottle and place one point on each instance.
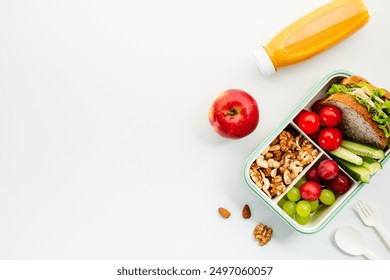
(312, 34)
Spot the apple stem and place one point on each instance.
(232, 112)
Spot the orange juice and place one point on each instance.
(312, 34)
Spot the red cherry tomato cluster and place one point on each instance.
(324, 124)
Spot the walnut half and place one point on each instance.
(262, 234)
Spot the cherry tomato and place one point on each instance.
(330, 138)
(330, 116)
(295, 120)
(309, 122)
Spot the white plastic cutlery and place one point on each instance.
(351, 241)
(370, 217)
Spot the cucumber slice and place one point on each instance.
(358, 172)
(372, 165)
(347, 155)
(363, 150)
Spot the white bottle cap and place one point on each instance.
(264, 62)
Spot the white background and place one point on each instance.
(106, 151)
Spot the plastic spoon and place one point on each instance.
(351, 241)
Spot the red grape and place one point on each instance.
(312, 174)
(310, 191)
(328, 169)
(340, 184)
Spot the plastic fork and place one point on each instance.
(371, 218)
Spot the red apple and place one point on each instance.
(234, 114)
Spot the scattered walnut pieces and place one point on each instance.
(281, 162)
(246, 212)
(263, 234)
(224, 212)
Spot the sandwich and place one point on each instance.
(365, 109)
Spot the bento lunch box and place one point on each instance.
(309, 154)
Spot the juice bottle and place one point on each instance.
(312, 34)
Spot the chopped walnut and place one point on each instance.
(287, 177)
(277, 185)
(307, 153)
(262, 234)
(280, 189)
(295, 167)
(277, 180)
(278, 155)
(255, 175)
(286, 141)
(267, 172)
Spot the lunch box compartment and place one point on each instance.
(291, 151)
(323, 210)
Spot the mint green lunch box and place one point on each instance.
(263, 183)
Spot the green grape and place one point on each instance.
(300, 182)
(314, 205)
(294, 194)
(289, 207)
(303, 208)
(302, 220)
(327, 197)
(282, 201)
